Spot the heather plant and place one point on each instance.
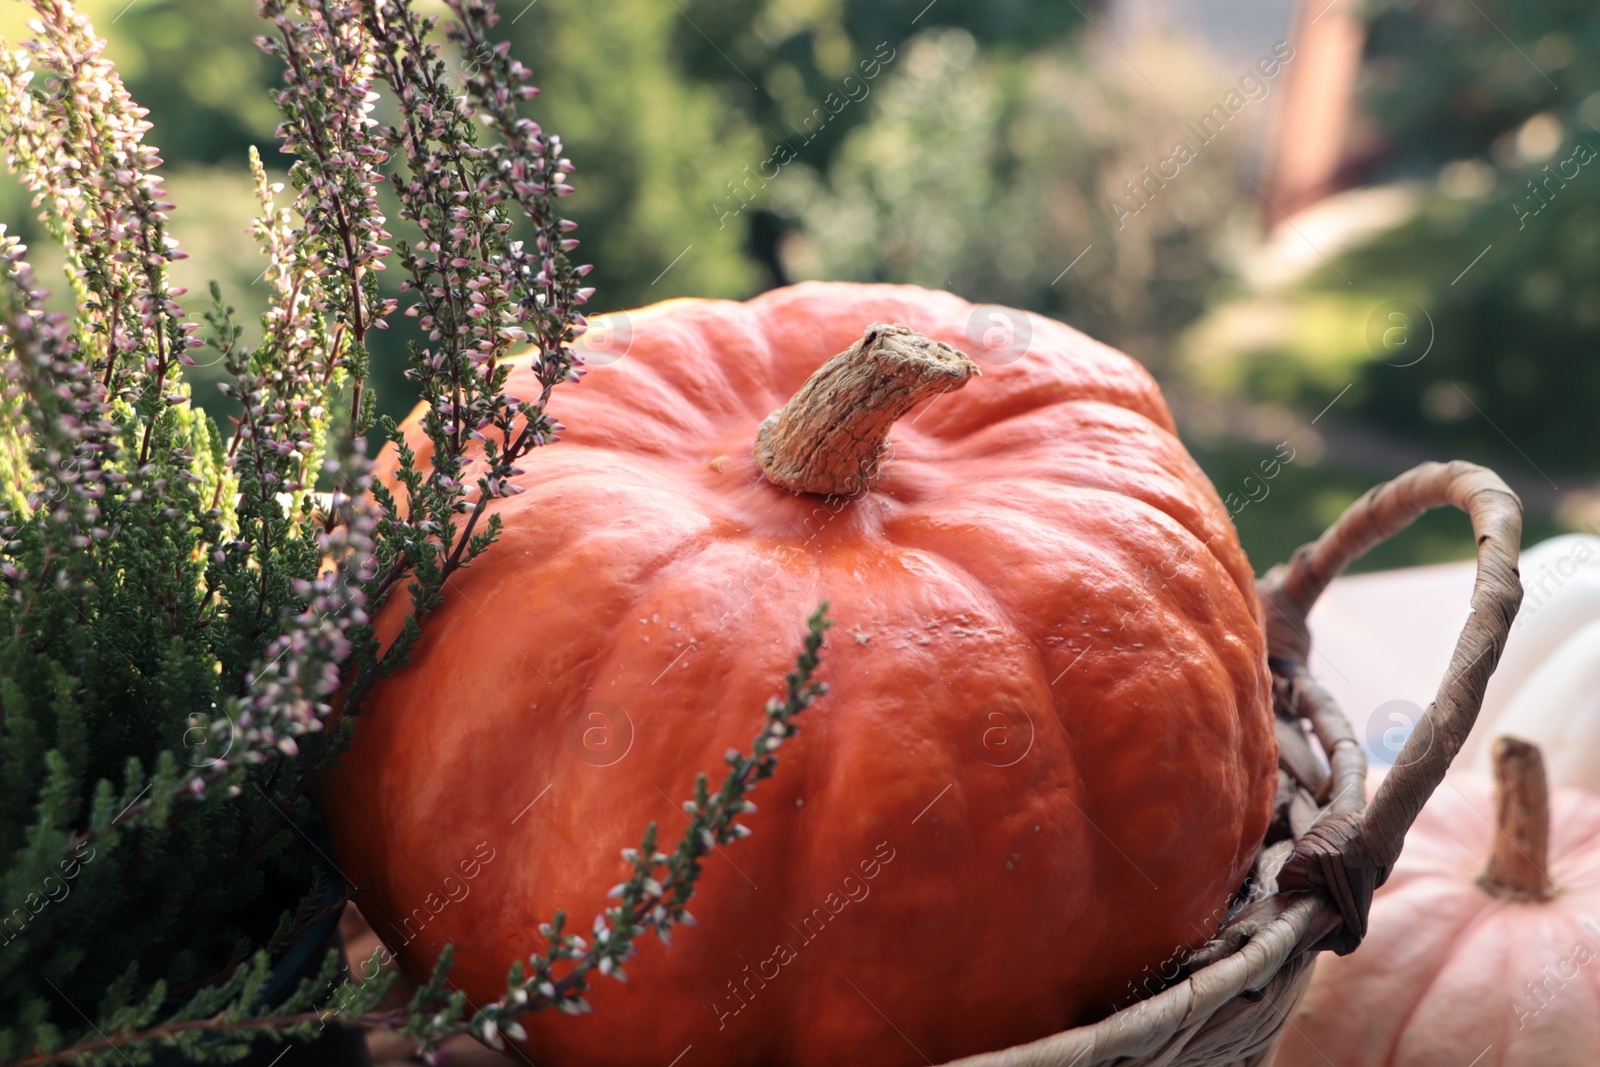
(182, 604)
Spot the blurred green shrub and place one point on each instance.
(991, 174)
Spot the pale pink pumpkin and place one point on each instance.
(1468, 964)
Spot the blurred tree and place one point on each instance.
(653, 149)
(192, 63)
(776, 60)
(1512, 374)
(195, 67)
(1515, 89)
(1446, 81)
(991, 174)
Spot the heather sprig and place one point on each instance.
(79, 146)
(651, 901)
(285, 389)
(289, 691)
(57, 397)
(327, 124)
(478, 291)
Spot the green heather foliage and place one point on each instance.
(180, 603)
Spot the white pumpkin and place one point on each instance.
(1382, 641)
(1547, 687)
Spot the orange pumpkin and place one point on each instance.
(1046, 759)
(1463, 963)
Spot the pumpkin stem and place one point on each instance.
(1519, 865)
(831, 435)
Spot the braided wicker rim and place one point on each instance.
(1232, 1008)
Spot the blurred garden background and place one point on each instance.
(1357, 235)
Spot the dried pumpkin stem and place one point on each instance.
(831, 435)
(1519, 865)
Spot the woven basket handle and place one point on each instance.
(1348, 854)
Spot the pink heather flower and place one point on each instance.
(78, 147)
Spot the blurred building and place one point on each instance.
(1307, 152)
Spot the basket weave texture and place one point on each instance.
(1327, 850)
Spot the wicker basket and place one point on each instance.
(1327, 849)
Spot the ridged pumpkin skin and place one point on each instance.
(1045, 761)
(1449, 975)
